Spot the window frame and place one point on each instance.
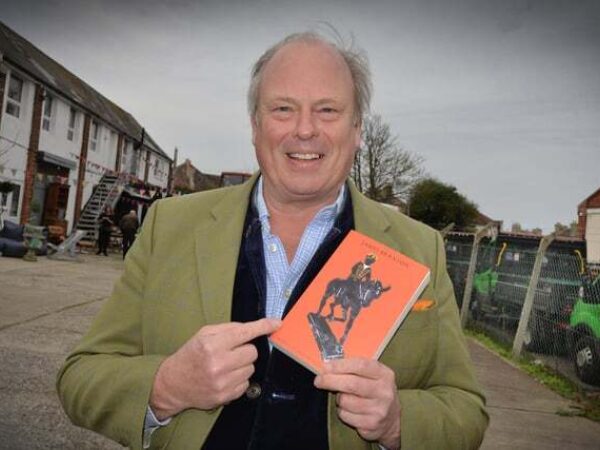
(156, 166)
(94, 132)
(12, 102)
(14, 201)
(47, 112)
(72, 127)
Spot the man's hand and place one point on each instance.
(367, 398)
(209, 370)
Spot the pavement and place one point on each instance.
(46, 306)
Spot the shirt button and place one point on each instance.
(273, 248)
(287, 293)
(253, 391)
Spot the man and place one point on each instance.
(129, 225)
(105, 225)
(361, 271)
(182, 341)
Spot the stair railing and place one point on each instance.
(115, 192)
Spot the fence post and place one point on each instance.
(447, 229)
(464, 309)
(529, 297)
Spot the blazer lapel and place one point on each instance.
(369, 220)
(218, 240)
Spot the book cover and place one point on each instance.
(353, 306)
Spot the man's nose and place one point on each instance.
(306, 125)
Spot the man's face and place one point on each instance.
(305, 132)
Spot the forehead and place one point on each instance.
(311, 69)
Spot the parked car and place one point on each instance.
(584, 333)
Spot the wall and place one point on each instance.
(592, 235)
(56, 142)
(161, 176)
(14, 139)
(99, 160)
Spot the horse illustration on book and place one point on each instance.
(351, 295)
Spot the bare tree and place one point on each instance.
(382, 170)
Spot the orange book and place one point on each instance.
(354, 305)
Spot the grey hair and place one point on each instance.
(355, 59)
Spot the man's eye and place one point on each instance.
(328, 110)
(282, 109)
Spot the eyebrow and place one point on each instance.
(292, 100)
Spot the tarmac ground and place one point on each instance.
(46, 306)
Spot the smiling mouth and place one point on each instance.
(305, 156)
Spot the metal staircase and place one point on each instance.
(107, 193)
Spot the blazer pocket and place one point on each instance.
(411, 352)
(422, 315)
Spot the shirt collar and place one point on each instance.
(328, 212)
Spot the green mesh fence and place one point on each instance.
(563, 330)
(458, 254)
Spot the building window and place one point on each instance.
(14, 203)
(72, 124)
(94, 135)
(15, 94)
(156, 167)
(47, 119)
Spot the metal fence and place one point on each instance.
(549, 309)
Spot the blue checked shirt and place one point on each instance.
(282, 276)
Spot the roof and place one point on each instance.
(588, 198)
(187, 176)
(28, 58)
(482, 219)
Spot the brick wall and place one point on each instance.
(146, 166)
(119, 153)
(2, 83)
(82, 165)
(593, 201)
(34, 143)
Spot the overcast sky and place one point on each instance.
(501, 97)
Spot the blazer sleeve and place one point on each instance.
(105, 382)
(449, 411)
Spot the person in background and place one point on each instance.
(105, 225)
(129, 225)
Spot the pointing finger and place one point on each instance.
(248, 331)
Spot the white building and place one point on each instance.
(59, 136)
(588, 224)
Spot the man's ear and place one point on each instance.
(358, 133)
(254, 124)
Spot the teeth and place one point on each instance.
(305, 156)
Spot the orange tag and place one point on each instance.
(423, 305)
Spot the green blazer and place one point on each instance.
(179, 276)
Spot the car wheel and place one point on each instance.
(587, 360)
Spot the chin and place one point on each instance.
(309, 190)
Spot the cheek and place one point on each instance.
(270, 135)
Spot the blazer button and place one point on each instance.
(253, 391)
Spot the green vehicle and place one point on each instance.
(499, 293)
(584, 332)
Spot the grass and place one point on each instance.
(585, 404)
